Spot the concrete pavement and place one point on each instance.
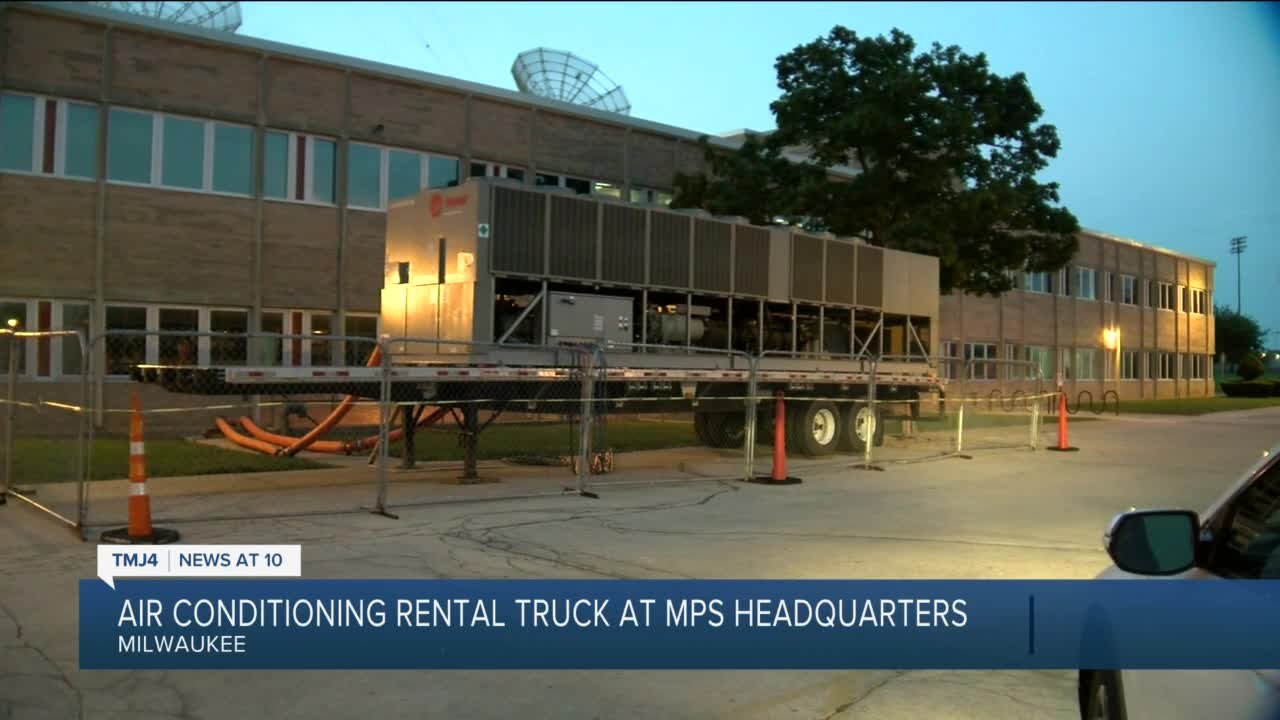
(1004, 514)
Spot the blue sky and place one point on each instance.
(1169, 114)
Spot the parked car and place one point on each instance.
(1237, 537)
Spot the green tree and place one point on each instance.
(948, 153)
(1236, 334)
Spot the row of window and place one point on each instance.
(1075, 363)
(1082, 282)
(59, 137)
(61, 357)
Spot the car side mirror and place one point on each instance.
(1153, 542)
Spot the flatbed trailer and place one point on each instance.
(501, 286)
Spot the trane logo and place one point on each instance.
(440, 203)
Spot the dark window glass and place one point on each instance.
(17, 132)
(276, 170)
(233, 159)
(129, 146)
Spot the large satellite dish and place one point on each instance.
(560, 75)
(223, 16)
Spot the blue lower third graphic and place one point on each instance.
(678, 624)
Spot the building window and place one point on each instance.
(74, 316)
(1108, 287)
(1012, 371)
(299, 167)
(1086, 364)
(1037, 282)
(1167, 298)
(1129, 365)
(975, 354)
(17, 132)
(442, 172)
(1065, 356)
(48, 136)
(233, 159)
(321, 350)
(1198, 305)
(1064, 282)
(950, 352)
(179, 349)
(488, 169)
(229, 343)
(13, 310)
(578, 185)
(129, 137)
(364, 176)
(323, 167)
(1164, 365)
(124, 351)
(1040, 357)
(360, 326)
(404, 174)
(1199, 364)
(1086, 283)
(1128, 290)
(182, 153)
(276, 166)
(607, 190)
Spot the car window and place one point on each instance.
(1249, 545)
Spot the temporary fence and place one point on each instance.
(459, 409)
(394, 418)
(41, 459)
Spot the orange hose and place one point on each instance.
(243, 441)
(334, 418)
(279, 442)
(345, 447)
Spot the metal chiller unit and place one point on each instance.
(492, 261)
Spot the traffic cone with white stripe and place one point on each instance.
(139, 530)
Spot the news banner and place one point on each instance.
(248, 607)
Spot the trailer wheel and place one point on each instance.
(854, 433)
(814, 428)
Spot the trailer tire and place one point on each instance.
(814, 428)
(853, 433)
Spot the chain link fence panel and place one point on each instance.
(42, 457)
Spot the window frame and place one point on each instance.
(62, 114)
(1132, 295)
(990, 351)
(1081, 273)
(1029, 284)
(1079, 366)
(1134, 371)
(291, 168)
(1221, 523)
(208, 154)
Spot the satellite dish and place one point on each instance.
(224, 16)
(560, 75)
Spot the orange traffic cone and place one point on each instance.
(139, 530)
(779, 474)
(1063, 446)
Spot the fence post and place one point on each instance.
(1035, 424)
(751, 409)
(10, 416)
(585, 420)
(84, 446)
(872, 407)
(385, 410)
(960, 428)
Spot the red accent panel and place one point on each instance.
(300, 192)
(50, 132)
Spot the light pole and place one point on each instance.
(1238, 245)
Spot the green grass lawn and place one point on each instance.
(54, 460)
(1196, 406)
